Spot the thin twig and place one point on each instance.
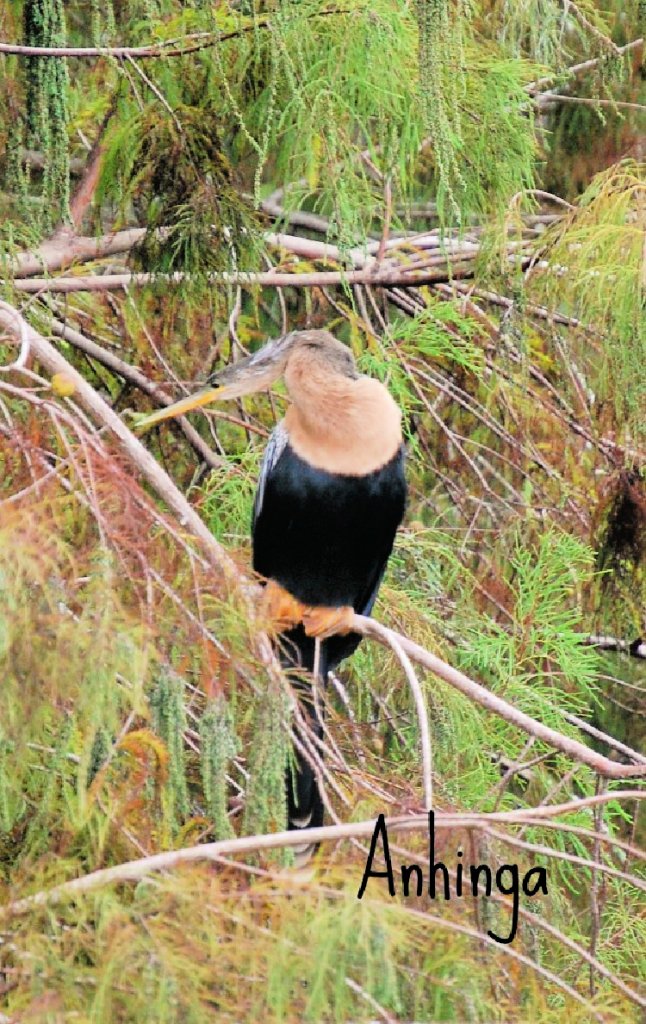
(551, 98)
(595, 907)
(394, 641)
(586, 65)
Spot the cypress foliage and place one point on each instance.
(167, 704)
(442, 26)
(219, 746)
(266, 804)
(47, 105)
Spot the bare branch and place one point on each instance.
(549, 99)
(19, 325)
(636, 648)
(187, 44)
(66, 248)
(401, 276)
(134, 376)
(586, 65)
(133, 871)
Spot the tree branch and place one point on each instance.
(402, 276)
(586, 65)
(65, 248)
(549, 99)
(133, 871)
(135, 377)
(192, 43)
(636, 648)
(480, 695)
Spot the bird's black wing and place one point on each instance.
(275, 448)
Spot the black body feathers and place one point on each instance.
(326, 539)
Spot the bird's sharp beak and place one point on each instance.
(200, 398)
(255, 373)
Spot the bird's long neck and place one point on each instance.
(342, 425)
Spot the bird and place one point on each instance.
(331, 495)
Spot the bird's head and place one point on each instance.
(290, 355)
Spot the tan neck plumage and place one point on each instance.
(342, 425)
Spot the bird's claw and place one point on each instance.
(280, 608)
(326, 622)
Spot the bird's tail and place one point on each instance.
(304, 800)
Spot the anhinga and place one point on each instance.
(330, 497)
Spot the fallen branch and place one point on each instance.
(401, 276)
(65, 248)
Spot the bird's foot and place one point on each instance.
(280, 608)
(325, 622)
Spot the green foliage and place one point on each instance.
(47, 105)
(544, 29)
(603, 283)
(52, 661)
(441, 29)
(167, 703)
(266, 803)
(219, 746)
(103, 22)
(539, 650)
(329, 87)
(228, 500)
(177, 170)
(441, 333)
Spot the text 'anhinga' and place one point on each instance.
(330, 497)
